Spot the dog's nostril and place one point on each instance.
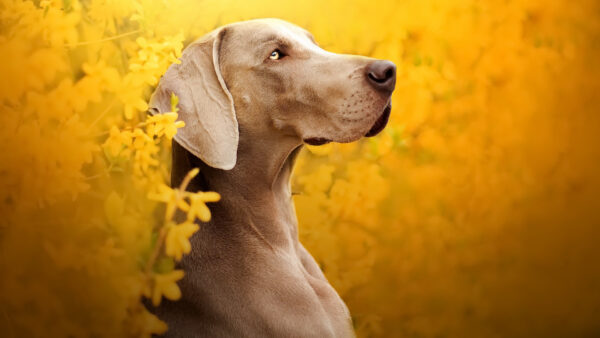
(382, 75)
(389, 73)
(381, 78)
(374, 77)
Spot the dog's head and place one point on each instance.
(270, 77)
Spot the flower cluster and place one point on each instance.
(138, 149)
(80, 167)
(175, 237)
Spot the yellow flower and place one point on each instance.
(178, 239)
(143, 159)
(141, 139)
(150, 324)
(172, 197)
(130, 94)
(108, 76)
(164, 124)
(166, 285)
(198, 206)
(117, 141)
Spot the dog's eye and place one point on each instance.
(276, 55)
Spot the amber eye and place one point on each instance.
(276, 55)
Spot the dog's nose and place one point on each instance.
(382, 75)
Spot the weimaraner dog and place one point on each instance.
(251, 94)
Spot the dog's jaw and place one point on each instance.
(381, 122)
(377, 127)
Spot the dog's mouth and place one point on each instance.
(317, 141)
(381, 121)
(375, 129)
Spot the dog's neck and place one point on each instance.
(255, 194)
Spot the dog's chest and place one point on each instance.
(259, 292)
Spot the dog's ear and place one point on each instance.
(205, 104)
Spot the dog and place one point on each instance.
(251, 94)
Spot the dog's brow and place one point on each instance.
(274, 39)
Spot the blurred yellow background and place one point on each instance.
(474, 214)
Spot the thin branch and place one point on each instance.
(103, 113)
(115, 37)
